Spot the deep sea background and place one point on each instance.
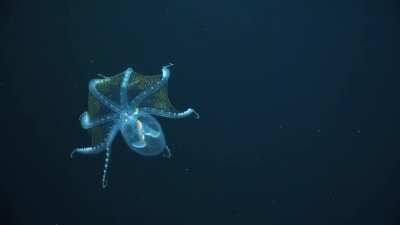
(298, 102)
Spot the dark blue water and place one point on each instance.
(298, 103)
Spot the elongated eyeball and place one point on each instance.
(85, 120)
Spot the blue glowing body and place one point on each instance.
(140, 130)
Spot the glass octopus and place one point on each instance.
(133, 116)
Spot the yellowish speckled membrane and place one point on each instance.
(111, 89)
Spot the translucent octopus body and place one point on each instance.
(140, 130)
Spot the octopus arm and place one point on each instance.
(87, 122)
(100, 147)
(168, 114)
(154, 88)
(100, 97)
(124, 88)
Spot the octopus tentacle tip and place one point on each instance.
(104, 185)
(196, 114)
(72, 155)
